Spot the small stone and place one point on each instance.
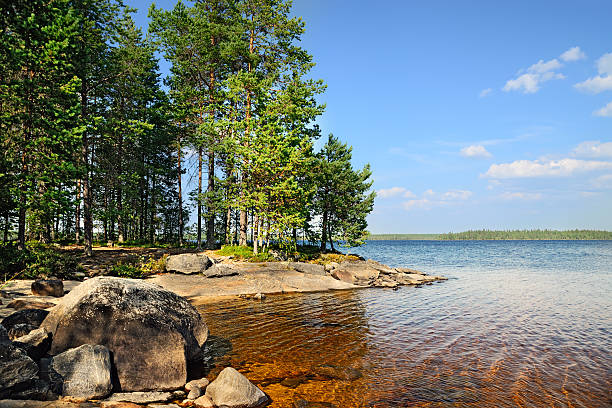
(141, 397)
(259, 296)
(203, 402)
(195, 392)
(312, 404)
(48, 287)
(118, 404)
(201, 383)
(163, 406)
(234, 390)
(36, 343)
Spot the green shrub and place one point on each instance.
(127, 270)
(37, 261)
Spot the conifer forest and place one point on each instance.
(98, 144)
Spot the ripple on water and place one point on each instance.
(492, 337)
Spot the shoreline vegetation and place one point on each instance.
(500, 235)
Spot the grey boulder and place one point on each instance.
(308, 268)
(188, 263)
(85, 371)
(16, 368)
(32, 317)
(219, 271)
(151, 332)
(234, 390)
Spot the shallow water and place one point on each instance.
(518, 324)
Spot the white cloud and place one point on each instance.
(602, 82)
(593, 149)
(604, 64)
(475, 152)
(573, 54)
(596, 84)
(394, 192)
(606, 111)
(432, 199)
(485, 92)
(456, 195)
(529, 83)
(390, 192)
(541, 168)
(520, 196)
(542, 71)
(542, 67)
(603, 182)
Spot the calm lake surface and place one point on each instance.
(518, 324)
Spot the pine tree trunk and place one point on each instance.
(324, 232)
(6, 227)
(120, 221)
(210, 220)
(210, 216)
(255, 233)
(199, 198)
(77, 221)
(243, 228)
(180, 195)
(87, 215)
(228, 226)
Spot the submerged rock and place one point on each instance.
(152, 333)
(188, 263)
(234, 390)
(49, 287)
(85, 371)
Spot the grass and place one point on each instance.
(244, 253)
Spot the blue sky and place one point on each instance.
(473, 114)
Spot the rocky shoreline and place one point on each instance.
(123, 343)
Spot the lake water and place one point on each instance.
(518, 324)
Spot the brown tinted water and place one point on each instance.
(520, 337)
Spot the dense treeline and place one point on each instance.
(96, 145)
(403, 237)
(498, 235)
(528, 235)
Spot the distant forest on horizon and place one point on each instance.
(499, 235)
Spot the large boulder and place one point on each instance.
(234, 390)
(85, 371)
(188, 263)
(152, 333)
(48, 287)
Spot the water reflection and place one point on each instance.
(490, 338)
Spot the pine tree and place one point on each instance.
(342, 200)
